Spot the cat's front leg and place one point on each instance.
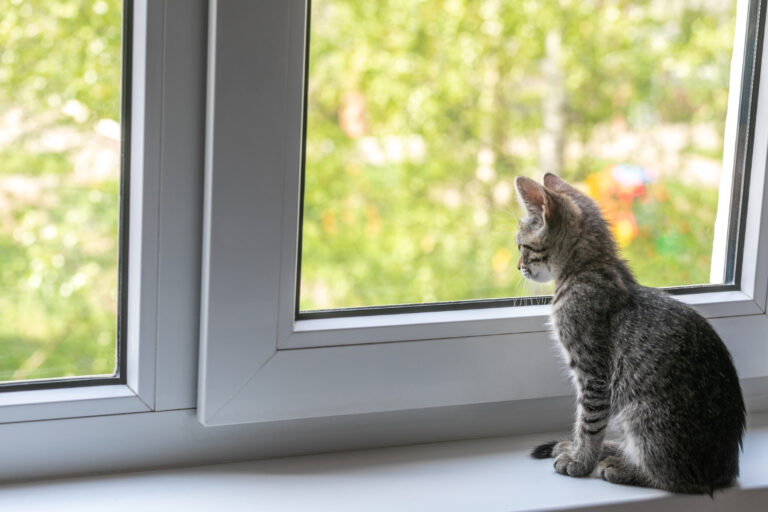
(589, 431)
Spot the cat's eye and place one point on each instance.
(410, 150)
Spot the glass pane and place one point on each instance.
(420, 113)
(60, 75)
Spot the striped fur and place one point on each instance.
(639, 359)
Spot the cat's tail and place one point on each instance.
(543, 451)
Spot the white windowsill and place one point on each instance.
(477, 475)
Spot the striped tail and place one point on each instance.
(543, 451)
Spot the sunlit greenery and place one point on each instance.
(422, 112)
(60, 69)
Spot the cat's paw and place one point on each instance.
(610, 469)
(618, 471)
(565, 464)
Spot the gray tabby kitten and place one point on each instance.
(638, 357)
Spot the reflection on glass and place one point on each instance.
(60, 72)
(420, 113)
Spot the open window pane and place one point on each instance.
(60, 159)
(420, 113)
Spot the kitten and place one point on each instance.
(638, 357)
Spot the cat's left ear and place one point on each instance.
(537, 199)
(556, 183)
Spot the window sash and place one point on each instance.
(133, 389)
(515, 315)
(164, 233)
(254, 368)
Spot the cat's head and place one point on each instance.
(561, 226)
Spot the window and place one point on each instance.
(258, 363)
(253, 341)
(61, 144)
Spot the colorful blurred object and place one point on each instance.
(631, 180)
(616, 188)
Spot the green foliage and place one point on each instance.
(385, 224)
(59, 50)
(675, 243)
(60, 68)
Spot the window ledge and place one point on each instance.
(487, 474)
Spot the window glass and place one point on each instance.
(420, 113)
(60, 154)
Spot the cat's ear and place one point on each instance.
(537, 199)
(557, 184)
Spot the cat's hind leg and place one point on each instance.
(618, 470)
(609, 448)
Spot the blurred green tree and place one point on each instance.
(420, 114)
(60, 77)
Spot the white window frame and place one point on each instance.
(258, 363)
(137, 395)
(66, 431)
(160, 188)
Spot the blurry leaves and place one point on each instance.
(60, 78)
(645, 82)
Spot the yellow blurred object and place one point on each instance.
(501, 259)
(427, 244)
(329, 221)
(624, 229)
(615, 203)
(373, 218)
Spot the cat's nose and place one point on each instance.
(520, 263)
